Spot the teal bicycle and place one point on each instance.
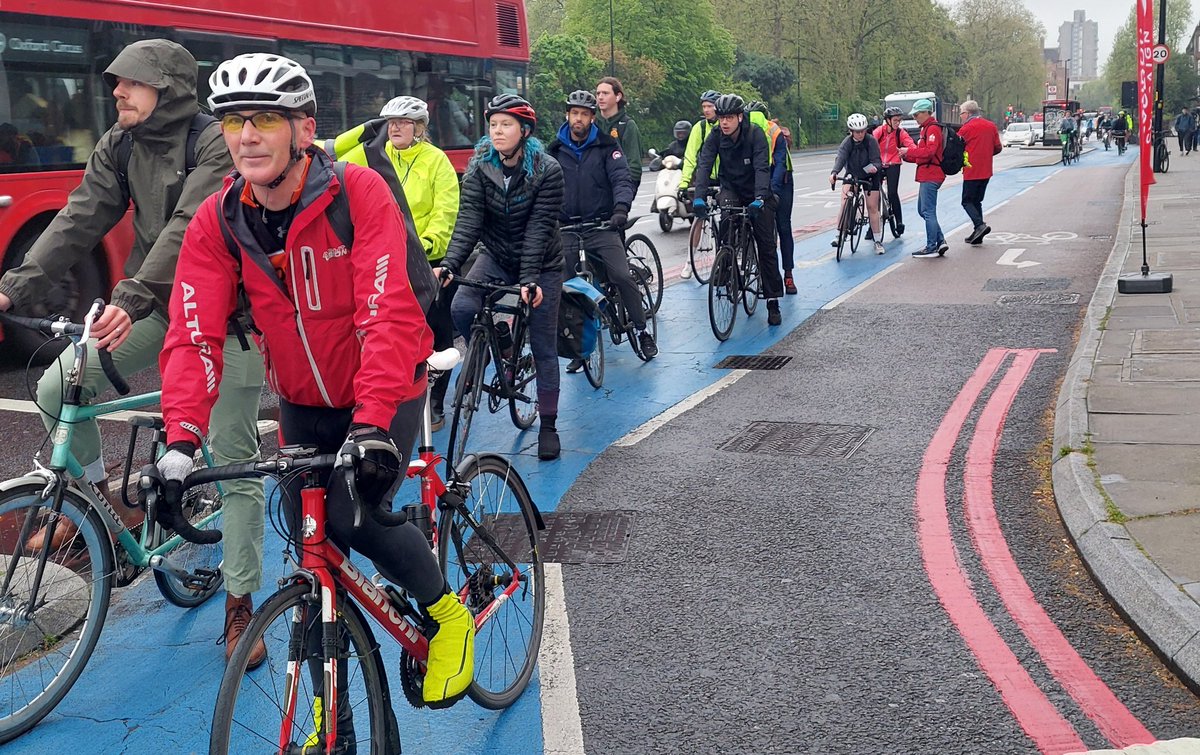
(54, 599)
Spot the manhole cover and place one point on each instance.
(799, 439)
(742, 362)
(1027, 284)
(1061, 297)
(597, 537)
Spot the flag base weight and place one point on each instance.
(1145, 283)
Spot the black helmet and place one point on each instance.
(682, 128)
(516, 106)
(892, 112)
(758, 106)
(581, 98)
(730, 104)
(711, 95)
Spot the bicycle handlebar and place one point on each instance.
(59, 327)
(588, 225)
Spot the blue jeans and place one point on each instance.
(927, 209)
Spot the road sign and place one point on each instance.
(1160, 53)
(1052, 89)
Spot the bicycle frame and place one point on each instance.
(485, 321)
(609, 316)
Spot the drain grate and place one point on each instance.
(800, 439)
(1027, 284)
(1061, 297)
(743, 362)
(599, 537)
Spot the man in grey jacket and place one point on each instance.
(154, 83)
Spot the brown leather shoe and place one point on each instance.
(237, 615)
(63, 532)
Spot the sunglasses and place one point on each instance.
(265, 121)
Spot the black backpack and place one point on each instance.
(953, 150)
(124, 150)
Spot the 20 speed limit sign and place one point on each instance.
(1160, 53)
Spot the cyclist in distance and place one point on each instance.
(420, 175)
(596, 186)
(512, 195)
(1068, 129)
(154, 83)
(859, 155)
(343, 332)
(744, 175)
(891, 138)
(699, 132)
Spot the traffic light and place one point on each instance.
(1129, 94)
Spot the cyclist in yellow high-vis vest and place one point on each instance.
(781, 185)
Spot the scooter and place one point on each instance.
(666, 193)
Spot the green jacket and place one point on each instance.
(425, 175)
(163, 199)
(700, 132)
(625, 130)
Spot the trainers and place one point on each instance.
(647, 345)
(548, 445)
(438, 420)
(870, 235)
(451, 662)
(899, 230)
(834, 242)
(237, 616)
(773, 316)
(575, 365)
(925, 252)
(879, 248)
(983, 231)
(942, 248)
(789, 285)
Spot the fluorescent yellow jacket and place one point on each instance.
(700, 131)
(423, 173)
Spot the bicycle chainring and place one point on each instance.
(412, 679)
(495, 394)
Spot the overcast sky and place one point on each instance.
(1108, 15)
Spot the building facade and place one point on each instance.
(1079, 43)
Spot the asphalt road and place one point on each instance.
(771, 600)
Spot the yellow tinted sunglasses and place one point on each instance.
(267, 120)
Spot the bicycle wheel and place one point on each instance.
(723, 293)
(651, 321)
(202, 562)
(646, 265)
(467, 393)
(748, 278)
(479, 544)
(845, 227)
(41, 656)
(702, 249)
(593, 366)
(256, 711)
(860, 223)
(523, 408)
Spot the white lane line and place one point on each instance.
(646, 429)
(28, 407)
(833, 303)
(562, 729)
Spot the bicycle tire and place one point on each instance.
(83, 567)
(467, 393)
(701, 249)
(643, 258)
(501, 508)
(204, 561)
(593, 366)
(524, 411)
(651, 321)
(859, 227)
(723, 293)
(893, 224)
(234, 732)
(750, 282)
(844, 227)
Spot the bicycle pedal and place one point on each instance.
(201, 580)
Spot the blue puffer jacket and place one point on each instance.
(518, 222)
(595, 174)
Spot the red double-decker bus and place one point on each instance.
(54, 105)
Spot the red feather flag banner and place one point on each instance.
(1145, 73)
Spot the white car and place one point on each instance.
(1017, 133)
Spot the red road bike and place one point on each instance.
(481, 523)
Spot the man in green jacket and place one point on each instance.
(613, 119)
(700, 132)
(154, 83)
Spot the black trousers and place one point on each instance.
(1185, 141)
(972, 199)
(892, 174)
(443, 338)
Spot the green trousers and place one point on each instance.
(232, 435)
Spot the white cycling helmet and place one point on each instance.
(856, 122)
(412, 108)
(261, 79)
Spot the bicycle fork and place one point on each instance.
(10, 613)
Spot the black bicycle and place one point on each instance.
(853, 219)
(614, 318)
(735, 276)
(499, 334)
(646, 265)
(1162, 155)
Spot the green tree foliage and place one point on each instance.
(771, 76)
(559, 63)
(545, 17)
(1096, 94)
(1180, 82)
(1004, 65)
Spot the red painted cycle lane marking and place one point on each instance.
(1033, 711)
(1093, 696)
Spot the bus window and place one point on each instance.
(449, 88)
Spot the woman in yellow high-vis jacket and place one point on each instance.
(395, 145)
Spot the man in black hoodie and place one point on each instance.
(597, 186)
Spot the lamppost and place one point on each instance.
(612, 56)
(1067, 80)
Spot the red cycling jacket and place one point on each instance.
(982, 140)
(927, 153)
(342, 328)
(888, 146)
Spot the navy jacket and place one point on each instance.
(745, 167)
(596, 177)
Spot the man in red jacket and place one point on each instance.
(927, 154)
(342, 329)
(982, 143)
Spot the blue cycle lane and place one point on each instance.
(152, 682)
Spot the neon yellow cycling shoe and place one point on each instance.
(451, 663)
(316, 739)
(315, 744)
